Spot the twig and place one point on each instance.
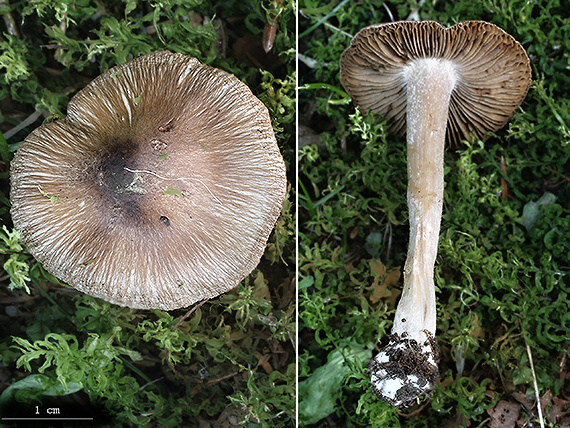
(167, 354)
(389, 12)
(9, 19)
(332, 27)
(482, 424)
(500, 374)
(292, 340)
(142, 171)
(176, 372)
(323, 19)
(556, 172)
(388, 247)
(150, 383)
(221, 378)
(63, 27)
(539, 407)
(190, 312)
(26, 122)
(407, 415)
(504, 185)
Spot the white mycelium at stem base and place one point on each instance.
(407, 367)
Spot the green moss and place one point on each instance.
(172, 191)
(500, 285)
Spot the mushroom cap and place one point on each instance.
(159, 189)
(493, 68)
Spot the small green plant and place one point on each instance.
(17, 263)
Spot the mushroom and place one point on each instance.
(427, 80)
(159, 189)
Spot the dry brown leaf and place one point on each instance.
(555, 410)
(263, 361)
(383, 282)
(261, 289)
(504, 415)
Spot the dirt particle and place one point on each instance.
(167, 127)
(158, 145)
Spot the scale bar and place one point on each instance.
(47, 419)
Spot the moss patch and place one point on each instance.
(500, 284)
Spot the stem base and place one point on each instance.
(405, 370)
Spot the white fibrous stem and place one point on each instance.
(407, 367)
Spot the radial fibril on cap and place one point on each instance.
(493, 67)
(164, 183)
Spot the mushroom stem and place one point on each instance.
(407, 367)
(429, 86)
(473, 75)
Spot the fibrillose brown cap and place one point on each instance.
(494, 72)
(160, 187)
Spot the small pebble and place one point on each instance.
(11, 311)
